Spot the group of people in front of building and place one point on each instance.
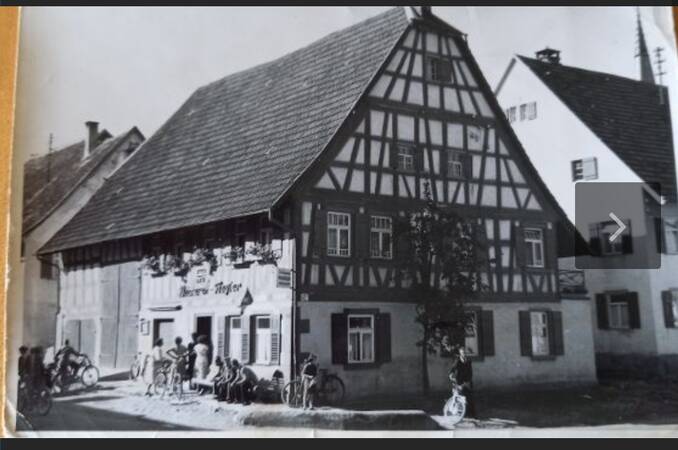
(34, 374)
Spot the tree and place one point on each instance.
(442, 256)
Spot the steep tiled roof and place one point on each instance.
(237, 144)
(67, 170)
(631, 117)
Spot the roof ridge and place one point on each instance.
(67, 146)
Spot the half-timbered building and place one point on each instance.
(305, 163)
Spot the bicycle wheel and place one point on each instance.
(333, 390)
(160, 383)
(89, 376)
(178, 387)
(292, 394)
(43, 401)
(454, 409)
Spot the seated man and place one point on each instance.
(230, 380)
(208, 383)
(244, 384)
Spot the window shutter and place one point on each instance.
(362, 235)
(486, 333)
(220, 336)
(393, 156)
(556, 333)
(634, 311)
(227, 337)
(627, 240)
(667, 302)
(525, 333)
(320, 231)
(601, 310)
(275, 339)
(383, 337)
(245, 331)
(468, 166)
(659, 234)
(419, 159)
(519, 245)
(339, 339)
(594, 239)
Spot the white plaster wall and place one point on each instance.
(664, 278)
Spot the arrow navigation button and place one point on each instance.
(621, 229)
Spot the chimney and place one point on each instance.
(548, 55)
(91, 137)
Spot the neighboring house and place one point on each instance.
(578, 126)
(56, 186)
(308, 160)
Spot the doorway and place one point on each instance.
(203, 326)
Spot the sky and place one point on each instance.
(127, 67)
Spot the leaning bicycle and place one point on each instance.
(169, 380)
(330, 390)
(455, 407)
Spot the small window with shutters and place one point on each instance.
(541, 334)
(361, 338)
(235, 337)
(262, 339)
(618, 310)
(670, 304)
(479, 341)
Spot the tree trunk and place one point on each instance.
(424, 363)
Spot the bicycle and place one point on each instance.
(86, 373)
(455, 407)
(330, 390)
(169, 378)
(34, 400)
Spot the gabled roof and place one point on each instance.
(67, 170)
(631, 117)
(236, 145)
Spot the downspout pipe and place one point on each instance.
(293, 340)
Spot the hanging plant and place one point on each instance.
(264, 254)
(235, 254)
(154, 265)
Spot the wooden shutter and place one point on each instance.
(595, 244)
(221, 325)
(525, 333)
(361, 231)
(556, 333)
(667, 303)
(275, 339)
(383, 342)
(634, 310)
(339, 339)
(601, 311)
(486, 333)
(227, 337)
(659, 234)
(245, 331)
(627, 239)
(393, 158)
(519, 245)
(419, 159)
(468, 166)
(320, 232)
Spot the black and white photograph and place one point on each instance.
(317, 221)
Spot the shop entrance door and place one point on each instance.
(203, 325)
(164, 329)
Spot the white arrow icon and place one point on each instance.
(621, 229)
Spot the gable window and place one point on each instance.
(511, 114)
(235, 337)
(380, 237)
(262, 339)
(534, 247)
(531, 110)
(438, 69)
(540, 333)
(405, 158)
(585, 169)
(523, 111)
(338, 234)
(360, 338)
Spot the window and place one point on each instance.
(540, 333)
(262, 339)
(380, 237)
(338, 234)
(360, 338)
(671, 235)
(511, 114)
(534, 247)
(235, 338)
(585, 169)
(47, 269)
(455, 164)
(471, 341)
(438, 69)
(672, 313)
(523, 112)
(618, 313)
(405, 158)
(531, 110)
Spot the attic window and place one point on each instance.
(438, 69)
(585, 169)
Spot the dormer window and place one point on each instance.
(438, 70)
(585, 169)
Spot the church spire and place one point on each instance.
(645, 63)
